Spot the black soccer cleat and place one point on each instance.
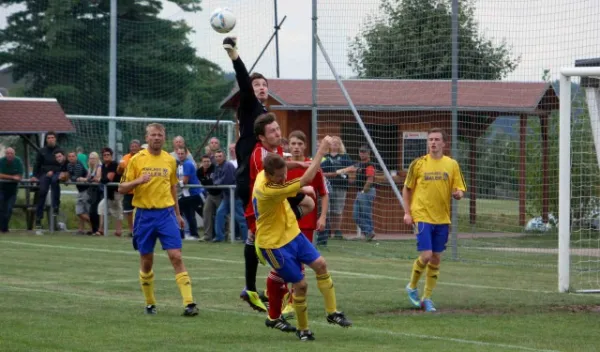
(151, 309)
(305, 335)
(340, 319)
(191, 310)
(280, 324)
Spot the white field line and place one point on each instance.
(590, 252)
(364, 329)
(346, 273)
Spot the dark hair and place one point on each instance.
(262, 121)
(106, 149)
(51, 133)
(440, 131)
(272, 163)
(299, 135)
(219, 151)
(59, 151)
(256, 75)
(205, 156)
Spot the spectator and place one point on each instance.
(134, 148)
(365, 186)
(335, 160)
(114, 199)
(179, 142)
(232, 156)
(214, 145)
(11, 169)
(82, 157)
(189, 199)
(206, 175)
(46, 172)
(95, 193)
(226, 171)
(78, 173)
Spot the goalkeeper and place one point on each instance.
(430, 181)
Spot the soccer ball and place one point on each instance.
(222, 20)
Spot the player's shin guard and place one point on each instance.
(432, 273)
(185, 287)
(147, 284)
(301, 312)
(325, 285)
(417, 270)
(251, 262)
(276, 289)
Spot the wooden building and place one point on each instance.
(395, 110)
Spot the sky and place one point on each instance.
(546, 34)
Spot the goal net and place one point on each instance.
(579, 195)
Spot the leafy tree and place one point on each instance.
(412, 40)
(61, 48)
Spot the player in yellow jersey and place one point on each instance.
(280, 242)
(151, 174)
(430, 182)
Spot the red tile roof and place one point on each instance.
(398, 95)
(32, 115)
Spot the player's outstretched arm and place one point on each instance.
(241, 73)
(315, 164)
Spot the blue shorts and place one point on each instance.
(287, 260)
(431, 237)
(152, 224)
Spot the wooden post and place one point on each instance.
(545, 171)
(522, 167)
(472, 187)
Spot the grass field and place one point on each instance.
(71, 293)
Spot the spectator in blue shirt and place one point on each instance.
(189, 198)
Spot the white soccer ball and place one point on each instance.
(222, 20)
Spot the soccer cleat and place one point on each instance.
(151, 309)
(413, 296)
(288, 311)
(280, 324)
(305, 335)
(191, 310)
(369, 237)
(427, 305)
(340, 319)
(254, 300)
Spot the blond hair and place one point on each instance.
(93, 155)
(158, 126)
(342, 146)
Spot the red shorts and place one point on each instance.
(309, 234)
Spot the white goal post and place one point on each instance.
(564, 191)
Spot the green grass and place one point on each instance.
(71, 293)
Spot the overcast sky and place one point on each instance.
(545, 33)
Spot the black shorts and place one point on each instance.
(127, 203)
(295, 200)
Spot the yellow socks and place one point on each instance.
(147, 283)
(417, 270)
(301, 309)
(185, 287)
(433, 271)
(325, 285)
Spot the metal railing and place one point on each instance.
(27, 183)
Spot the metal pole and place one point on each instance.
(112, 77)
(105, 210)
(454, 226)
(229, 140)
(267, 45)
(313, 120)
(564, 184)
(276, 40)
(232, 214)
(361, 124)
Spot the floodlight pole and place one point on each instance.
(277, 28)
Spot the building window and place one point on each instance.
(386, 139)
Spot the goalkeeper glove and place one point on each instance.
(230, 45)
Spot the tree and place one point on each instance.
(412, 40)
(61, 48)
